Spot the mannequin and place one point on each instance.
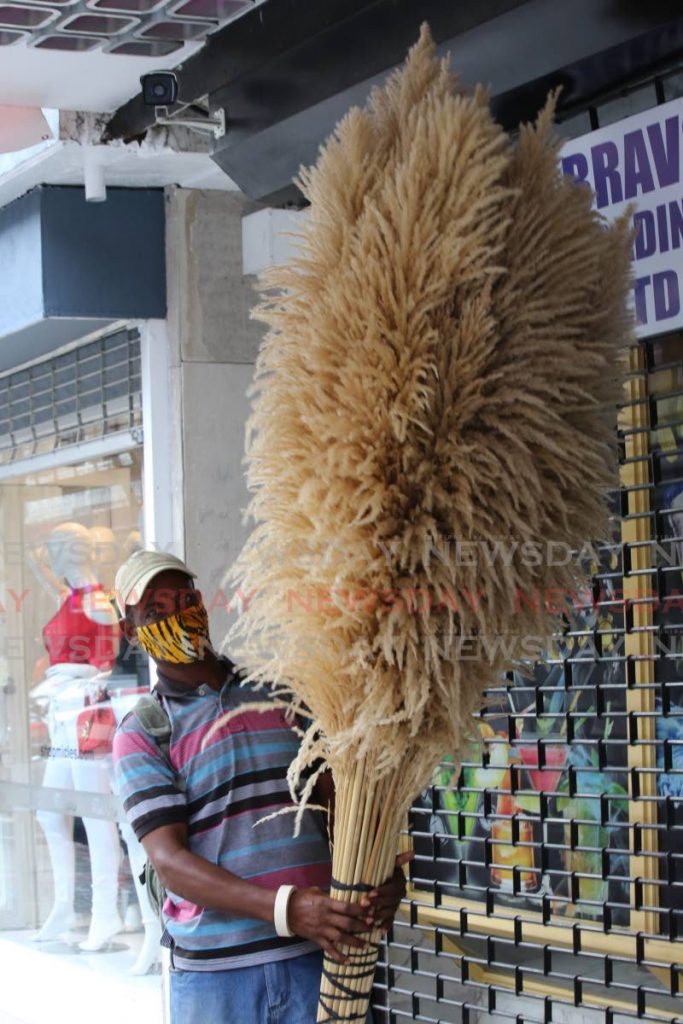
(123, 701)
(150, 950)
(105, 557)
(133, 542)
(81, 640)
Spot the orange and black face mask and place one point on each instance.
(180, 639)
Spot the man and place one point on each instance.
(247, 915)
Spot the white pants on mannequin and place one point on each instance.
(103, 846)
(65, 689)
(122, 702)
(150, 950)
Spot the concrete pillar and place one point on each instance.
(212, 349)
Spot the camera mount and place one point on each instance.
(210, 124)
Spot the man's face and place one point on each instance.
(169, 593)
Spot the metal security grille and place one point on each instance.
(89, 392)
(548, 878)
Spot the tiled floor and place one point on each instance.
(55, 982)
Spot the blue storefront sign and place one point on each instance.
(638, 162)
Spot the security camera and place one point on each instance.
(160, 88)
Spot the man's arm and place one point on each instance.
(156, 808)
(311, 914)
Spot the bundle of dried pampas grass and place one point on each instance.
(440, 376)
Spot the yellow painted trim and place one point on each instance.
(639, 643)
(622, 943)
(534, 986)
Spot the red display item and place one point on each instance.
(95, 727)
(72, 637)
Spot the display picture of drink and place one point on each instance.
(539, 803)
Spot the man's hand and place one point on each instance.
(382, 903)
(335, 923)
(331, 923)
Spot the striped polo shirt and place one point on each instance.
(222, 789)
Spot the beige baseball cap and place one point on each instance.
(137, 572)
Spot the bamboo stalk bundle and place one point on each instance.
(440, 376)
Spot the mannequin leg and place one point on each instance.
(103, 844)
(132, 919)
(150, 949)
(58, 829)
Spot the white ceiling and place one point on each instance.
(55, 53)
(93, 81)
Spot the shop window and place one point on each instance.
(70, 892)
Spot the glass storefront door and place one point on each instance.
(69, 866)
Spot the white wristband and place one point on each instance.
(282, 899)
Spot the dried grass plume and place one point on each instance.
(440, 375)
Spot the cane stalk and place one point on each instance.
(363, 861)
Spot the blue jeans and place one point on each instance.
(282, 992)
